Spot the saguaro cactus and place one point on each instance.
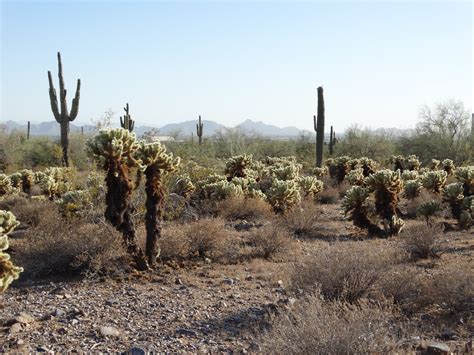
(332, 141)
(61, 113)
(319, 128)
(126, 121)
(199, 129)
(28, 129)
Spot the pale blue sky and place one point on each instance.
(378, 61)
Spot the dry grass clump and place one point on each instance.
(269, 241)
(315, 326)
(207, 237)
(302, 220)
(329, 196)
(453, 289)
(422, 241)
(56, 247)
(30, 213)
(249, 209)
(345, 271)
(406, 287)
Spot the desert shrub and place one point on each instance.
(30, 213)
(269, 241)
(55, 247)
(428, 210)
(345, 271)
(249, 209)
(40, 152)
(173, 244)
(423, 241)
(453, 288)
(301, 221)
(329, 195)
(206, 237)
(315, 326)
(405, 287)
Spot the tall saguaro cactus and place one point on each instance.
(199, 129)
(319, 128)
(332, 141)
(126, 122)
(28, 129)
(61, 113)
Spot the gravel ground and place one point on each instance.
(199, 310)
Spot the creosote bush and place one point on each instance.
(249, 209)
(345, 271)
(206, 237)
(57, 247)
(269, 241)
(423, 241)
(315, 326)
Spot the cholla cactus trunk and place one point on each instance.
(119, 190)
(154, 212)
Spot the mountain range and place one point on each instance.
(182, 129)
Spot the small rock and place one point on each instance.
(74, 321)
(136, 351)
(207, 260)
(178, 281)
(437, 348)
(16, 328)
(59, 313)
(110, 331)
(186, 332)
(249, 278)
(448, 334)
(280, 283)
(229, 281)
(22, 318)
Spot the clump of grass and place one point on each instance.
(423, 241)
(315, 326)
(345, 271)
(249, 209)
(269, 241)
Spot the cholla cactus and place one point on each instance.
(237, 166)
(27, 180)
(310, 185)
(465, 175)
(466, 218)
(339, 167)
(434, 164)
(354, 163)
(410, 175)
(5, 185)
(8, 271)
(387, 185)
(368, 166)
(448, 166)
(355, 177)
(394, 225)
(412, 189)
(320, 172)
(15, 179)
(183, 186)
(398, 162)
(158, 162)
(428, 209)
(72, 202)
(453, 195)
(221, 190)
(413, 163)
(283, 195)
(355, 208)
(114, 150)
(434, 181)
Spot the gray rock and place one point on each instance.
(136, 351)
(437, 348)
(186, 332)
(110, 331)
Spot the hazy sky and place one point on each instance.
(228, 61)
